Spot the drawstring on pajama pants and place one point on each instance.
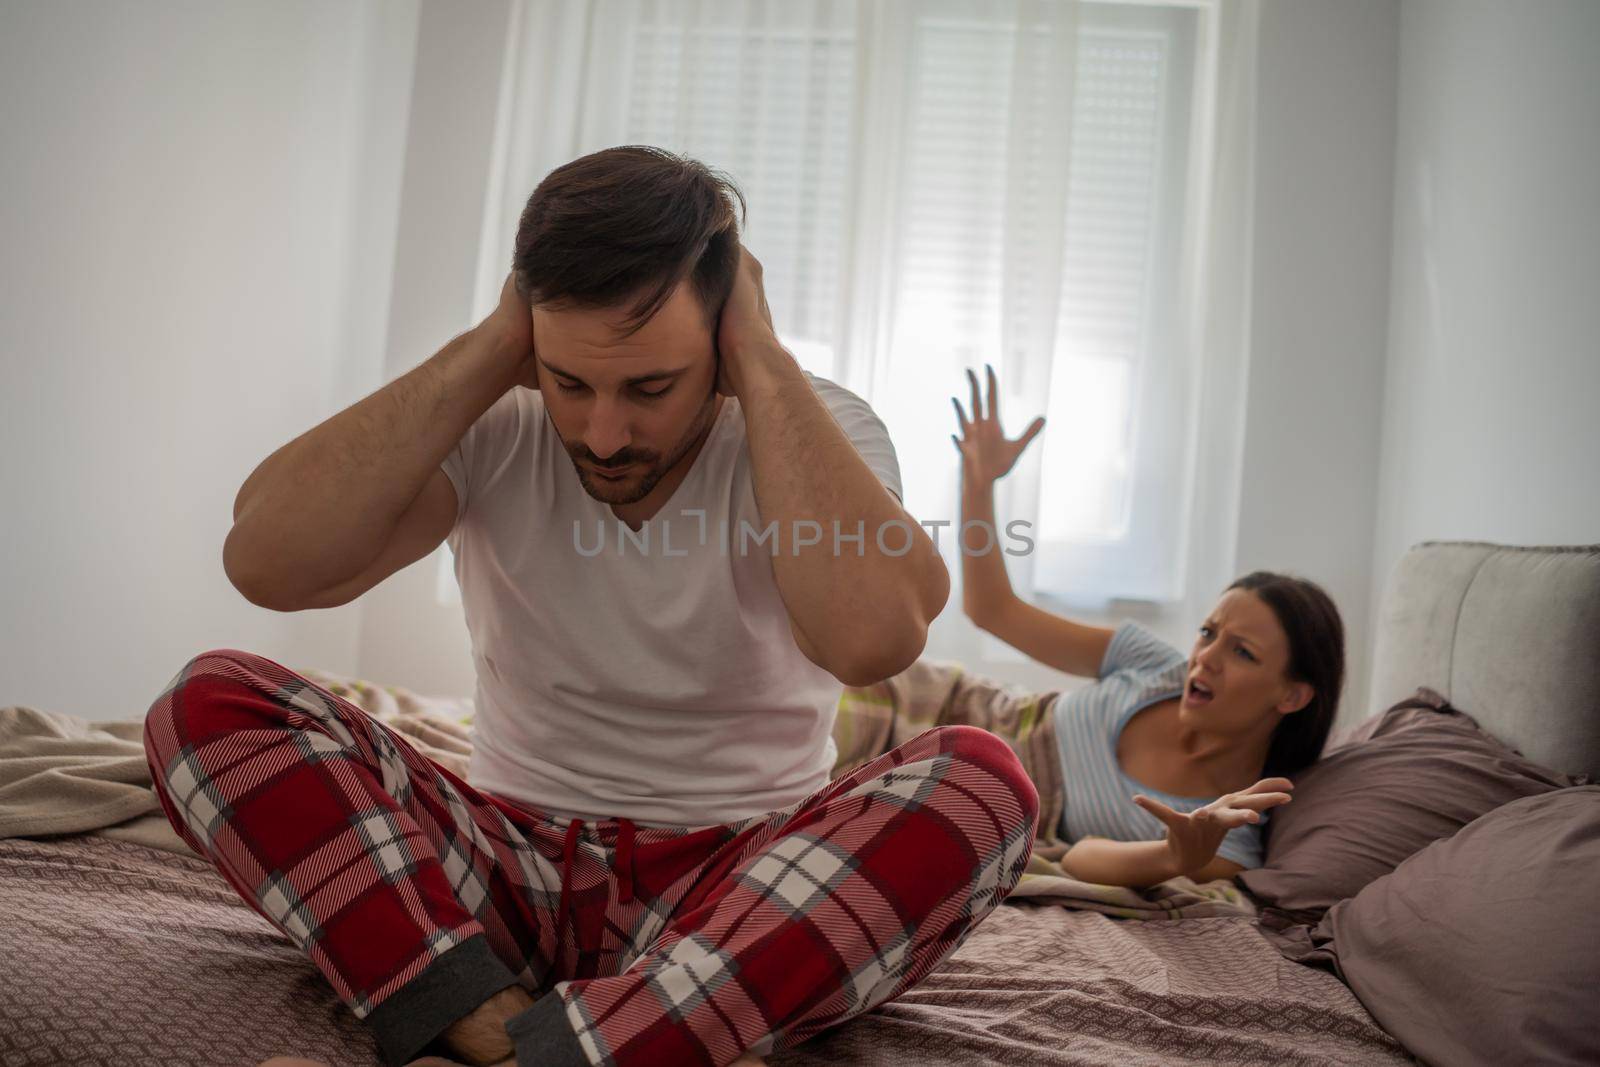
(569, 854)
(624, 861)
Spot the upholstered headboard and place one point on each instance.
(1509, 635)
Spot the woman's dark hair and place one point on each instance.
(627, 225)
(1316, 656)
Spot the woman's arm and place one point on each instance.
(1135, 863)
(1131, 863)
(986, 593)
(1190, 847)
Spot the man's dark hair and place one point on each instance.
(624, 226)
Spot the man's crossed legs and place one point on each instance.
(422, 899)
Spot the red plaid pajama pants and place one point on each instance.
(419, 896)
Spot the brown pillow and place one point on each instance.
(1400, 781)
(1480, 949)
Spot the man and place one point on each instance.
(647, 864)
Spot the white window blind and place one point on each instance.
(1113, 196)
(1105, 488)
(772, 106)
(1111, 505)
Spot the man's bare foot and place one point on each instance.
(480, 1037)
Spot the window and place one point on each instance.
(936, 185)
(773, 106)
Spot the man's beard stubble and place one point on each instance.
(633, 492)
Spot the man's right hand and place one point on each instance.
(511, 324)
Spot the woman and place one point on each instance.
(1201, 744)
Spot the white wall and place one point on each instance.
(197, 227)
(408, 635)
(1491, 429)
(1324, 174)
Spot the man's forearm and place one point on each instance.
(864, 609)
(320, 509)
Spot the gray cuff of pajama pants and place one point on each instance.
(542, 1036)
(448, 989)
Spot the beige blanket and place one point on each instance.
(61, 775)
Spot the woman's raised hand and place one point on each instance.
(1193, 838)
(986, 454)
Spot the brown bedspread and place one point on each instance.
(1046, 986)
(112, 953)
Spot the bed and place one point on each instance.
(119, 949)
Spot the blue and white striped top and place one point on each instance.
(1139, 669)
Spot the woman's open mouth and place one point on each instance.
(1197, 693)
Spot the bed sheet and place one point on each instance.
(115, 953)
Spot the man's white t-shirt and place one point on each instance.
(647, 675)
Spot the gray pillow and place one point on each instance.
(1480, 949)
(1395, 784)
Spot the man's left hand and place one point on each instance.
(745, 334)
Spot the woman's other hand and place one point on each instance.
(986, 454)
(1194, 837)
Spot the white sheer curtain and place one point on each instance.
(1054, 187)
(764, 91)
